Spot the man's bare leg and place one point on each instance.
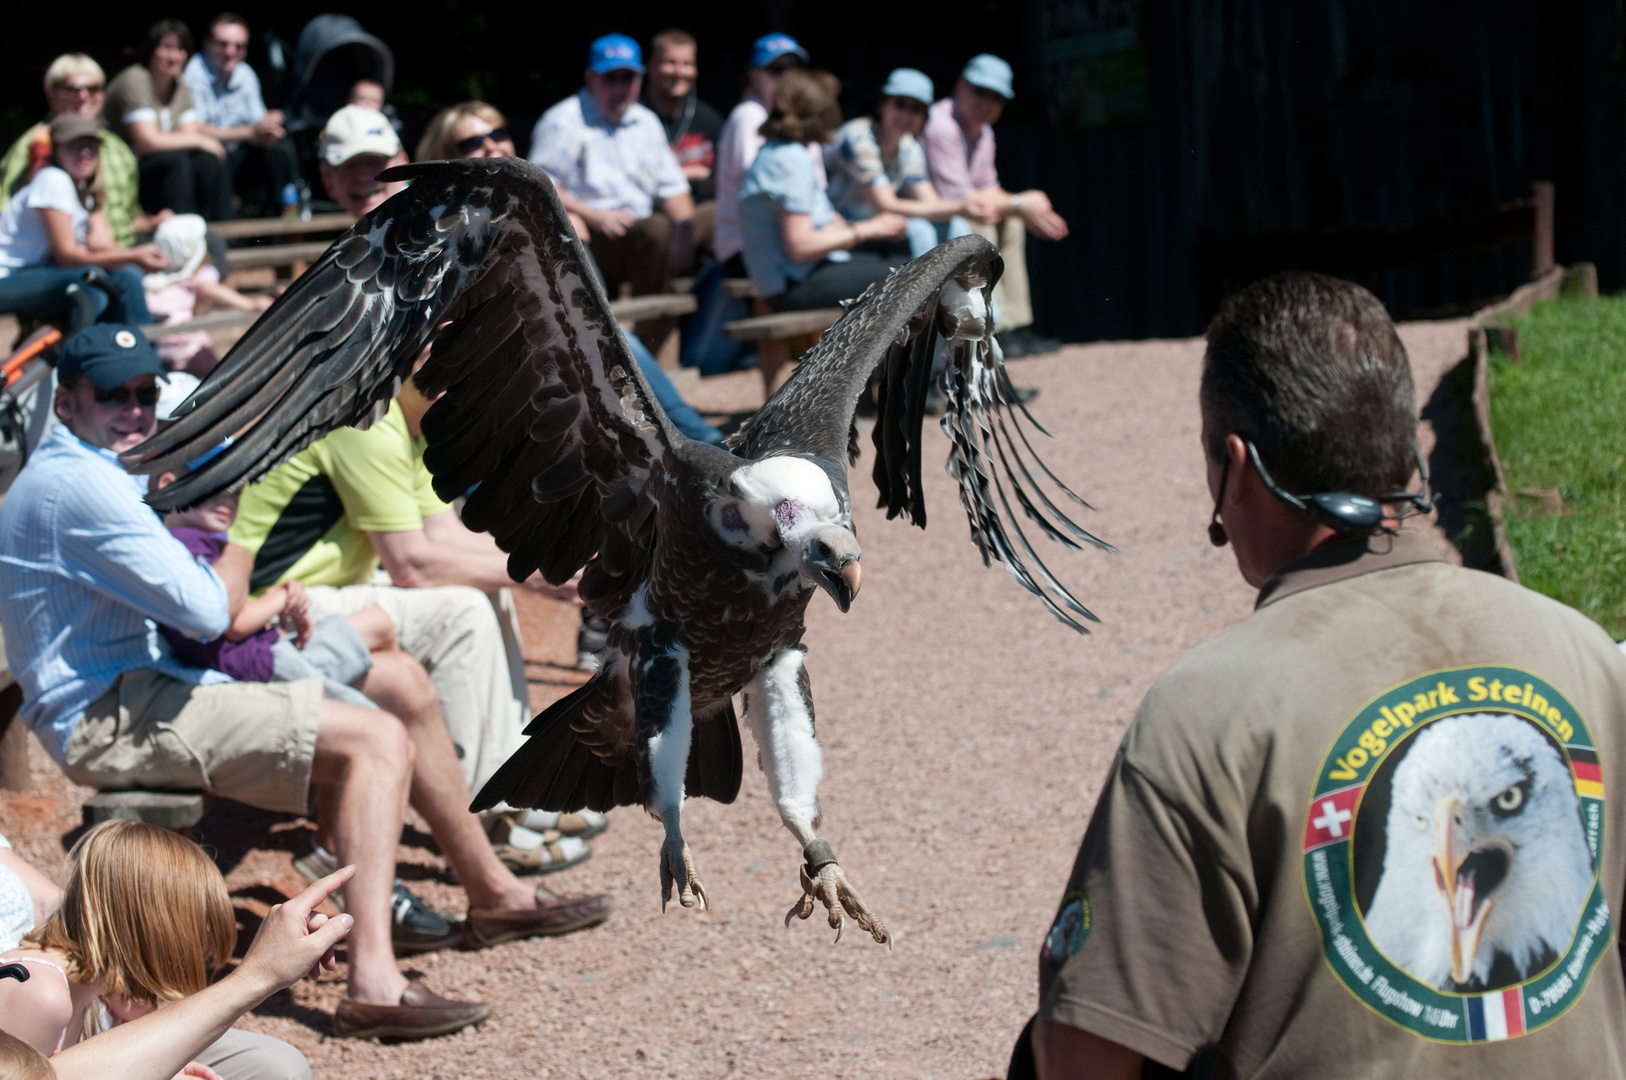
(399, 684)
(365, 758)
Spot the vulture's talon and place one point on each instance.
(831, 888)
(678, 870)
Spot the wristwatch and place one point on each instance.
(1016, 202)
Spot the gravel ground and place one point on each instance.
(965, 734)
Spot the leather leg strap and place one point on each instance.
(817, 855)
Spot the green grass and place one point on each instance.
(1559, 420)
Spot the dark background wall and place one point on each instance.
(1229, 124)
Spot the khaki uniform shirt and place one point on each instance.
(1362, 833)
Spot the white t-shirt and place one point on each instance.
(23, 241)
(16, 906)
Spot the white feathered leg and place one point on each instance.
(779, 712)
(663, 703)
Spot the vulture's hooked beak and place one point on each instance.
(1467, 879)
(830, 561)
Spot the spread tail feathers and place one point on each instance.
(557, 770)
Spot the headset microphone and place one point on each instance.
(1340, 511)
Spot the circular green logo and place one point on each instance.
(1451, 855)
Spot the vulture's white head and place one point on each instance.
(790, 502)
(1485, 853)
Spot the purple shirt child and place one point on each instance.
(248, 660)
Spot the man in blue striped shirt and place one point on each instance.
(87, 570)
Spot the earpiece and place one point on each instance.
(1342, 511)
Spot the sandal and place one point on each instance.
(582, 824)
(525, 851)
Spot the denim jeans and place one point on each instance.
(42, 291)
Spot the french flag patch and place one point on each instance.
(1495, 1016)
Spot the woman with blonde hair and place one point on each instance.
(472, 129)
(801, 253)
(145, 920)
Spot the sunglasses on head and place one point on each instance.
(474, 142)
(120, 395)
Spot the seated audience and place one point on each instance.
(616, 175)
(367, 94)
(876, 165)
(470, 130)
(260, 158)
(150, 106)
(692, 126)
(771, 56)
(356, 145)
(51, 231)
(74, 83)
(292, 942)
(145, 920)
(959, 140)
(188, 286)
(27, 897)
(800, 252)
(86, 573)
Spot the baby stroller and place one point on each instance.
(332, 54)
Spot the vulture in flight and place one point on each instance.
(703, 558)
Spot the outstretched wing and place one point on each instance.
(545, 422)
(893, 331)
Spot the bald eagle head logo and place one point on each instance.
(1485, 861)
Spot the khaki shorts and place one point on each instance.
(253, 742)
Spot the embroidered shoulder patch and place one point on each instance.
(1452, 851)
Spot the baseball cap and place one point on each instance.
(909, 83)
(991, 73)
(615, 52)
(71, 126)
(354, 130)
(770, 47)
(108, 354)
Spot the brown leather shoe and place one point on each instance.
(422, 1014)
(554, 914)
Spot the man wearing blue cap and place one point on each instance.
(615, 172)
(771, 56)
(87, 570)
(959, 142)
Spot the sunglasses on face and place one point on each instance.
(146, 396)
(619, 78)
(79, 88)
(229, 46)
(474, 142)
(909, 105)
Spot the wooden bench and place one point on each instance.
(295, 256)
(259, 228)
(177, 811)
(774, 334)
(734, 286)
(215, 320)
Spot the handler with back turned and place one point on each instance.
(1367, 831)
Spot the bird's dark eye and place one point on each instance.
(819, 550)
(1510, 801)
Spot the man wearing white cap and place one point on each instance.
(355, 147)
(959, 142)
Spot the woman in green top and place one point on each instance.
(150, 107)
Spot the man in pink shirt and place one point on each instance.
(959, 143)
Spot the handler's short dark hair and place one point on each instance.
(1310, 369)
